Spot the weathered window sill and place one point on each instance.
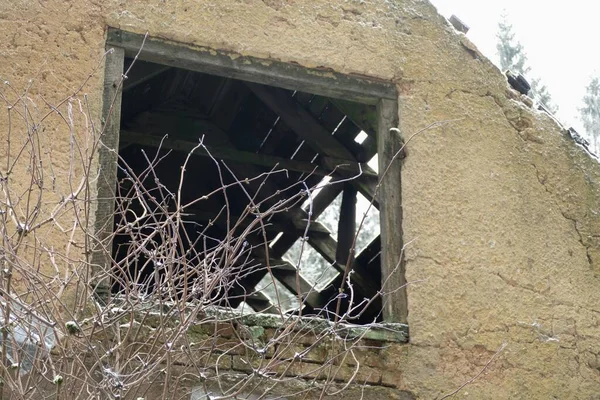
(383, 332)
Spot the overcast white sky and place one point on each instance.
(560, 39)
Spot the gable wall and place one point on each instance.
(501, 209)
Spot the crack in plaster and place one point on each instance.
(553, 302)
(542, 180)
(519, 123)
(517, 117)
(515, 284)
(439, 263)
(580, 236)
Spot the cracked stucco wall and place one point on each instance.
(501, 208)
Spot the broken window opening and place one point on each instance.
(296, 142)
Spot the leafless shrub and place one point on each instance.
(169, 325)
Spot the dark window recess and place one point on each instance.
(250, 128)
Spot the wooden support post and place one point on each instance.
(107, 165)
(390, 214)
(346, 225)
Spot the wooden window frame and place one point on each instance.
(323, 82)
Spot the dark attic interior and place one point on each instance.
(316, 143)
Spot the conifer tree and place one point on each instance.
(590, 113)
(511, 52)
(513, 57)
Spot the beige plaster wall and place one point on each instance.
(501, 209)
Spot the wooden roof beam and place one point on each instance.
(230, 154)
(282, 270)
(142, 72)
(325, 245)
(202, 215)
(321, 201)
(289, 276)
(301, 121)
(363, 116)
(308, 128)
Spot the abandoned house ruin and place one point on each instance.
(166, 173)
(256, 127)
